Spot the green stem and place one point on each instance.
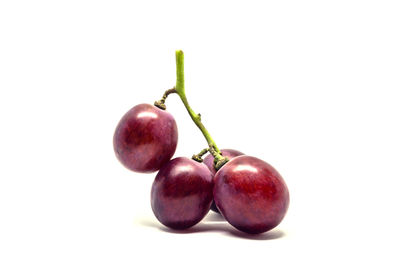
(180, 90)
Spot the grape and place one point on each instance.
(250, 194)
(145, 138)
(181, 194)
(209, 161)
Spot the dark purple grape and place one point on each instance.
(145, 138)
(209, 161)
(181, 194)
(250, 194)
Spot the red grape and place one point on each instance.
(250, 194)
(181, 194)
(145, 138)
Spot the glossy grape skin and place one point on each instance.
(250, 194)
(181, 194)
(209, 161)
(145, 138)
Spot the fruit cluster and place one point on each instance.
(248, 192)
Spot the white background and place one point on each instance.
(312, 87)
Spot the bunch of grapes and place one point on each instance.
(248, 192)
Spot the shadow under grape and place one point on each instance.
(213, 222)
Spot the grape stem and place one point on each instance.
(199, 157)
(219, 160)
(161, 103)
